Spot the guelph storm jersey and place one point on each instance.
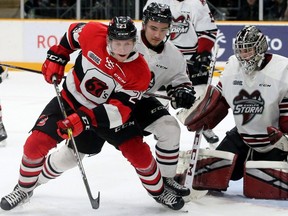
(258, 100)
(167, 64)
(193, 27)
(98, 81)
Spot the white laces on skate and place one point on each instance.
(167, 198)
(16, 197)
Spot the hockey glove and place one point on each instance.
(183, 97)
(57, 58)
(198, 68)
(277, 138)
(3, 74)
(77, 122)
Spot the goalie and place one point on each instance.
(256, 149)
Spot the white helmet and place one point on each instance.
(250, 38)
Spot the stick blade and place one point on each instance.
(95, 203)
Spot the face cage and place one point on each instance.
(248, 65)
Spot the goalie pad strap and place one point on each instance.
(266, 180)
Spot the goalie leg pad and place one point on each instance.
(213, 170)
(266, 180)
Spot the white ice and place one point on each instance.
(23, 97)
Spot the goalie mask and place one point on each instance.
(249, 48)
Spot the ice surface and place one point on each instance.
(23, 97)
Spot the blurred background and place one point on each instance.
(252, 10)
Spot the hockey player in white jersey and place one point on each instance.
(194, 33)
(254, 84)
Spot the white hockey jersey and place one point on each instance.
(257, 100)
(190, 17)
(167, 67)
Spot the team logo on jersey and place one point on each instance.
(248, 105)
(109, 64)
(94, 57)
(179, 26)
(42, 120)
(95, 86)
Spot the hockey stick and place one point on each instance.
(94, 202)
(21, 68)
(198, 134)
(39, 72)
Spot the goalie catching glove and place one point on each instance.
(77, 122)
(209, 112)
(182, 96)
(54, 65)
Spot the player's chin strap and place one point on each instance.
(182, 114)
(94, 202)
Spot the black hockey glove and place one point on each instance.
(198, 68)
(183, 97)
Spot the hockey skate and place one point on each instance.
(15, 198)
(3, 135)
(210, 136)
(175, 187)
(170, 200)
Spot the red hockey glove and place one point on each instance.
(77, 122)
(57, 58)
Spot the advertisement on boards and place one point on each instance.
(29, 40)
(276, 36)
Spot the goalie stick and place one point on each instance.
(198, 134)
(95, 203)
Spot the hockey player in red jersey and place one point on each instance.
(99, 93)
(257, 148)
(149, 115)
(193, 32)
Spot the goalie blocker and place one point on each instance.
(209, 112)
